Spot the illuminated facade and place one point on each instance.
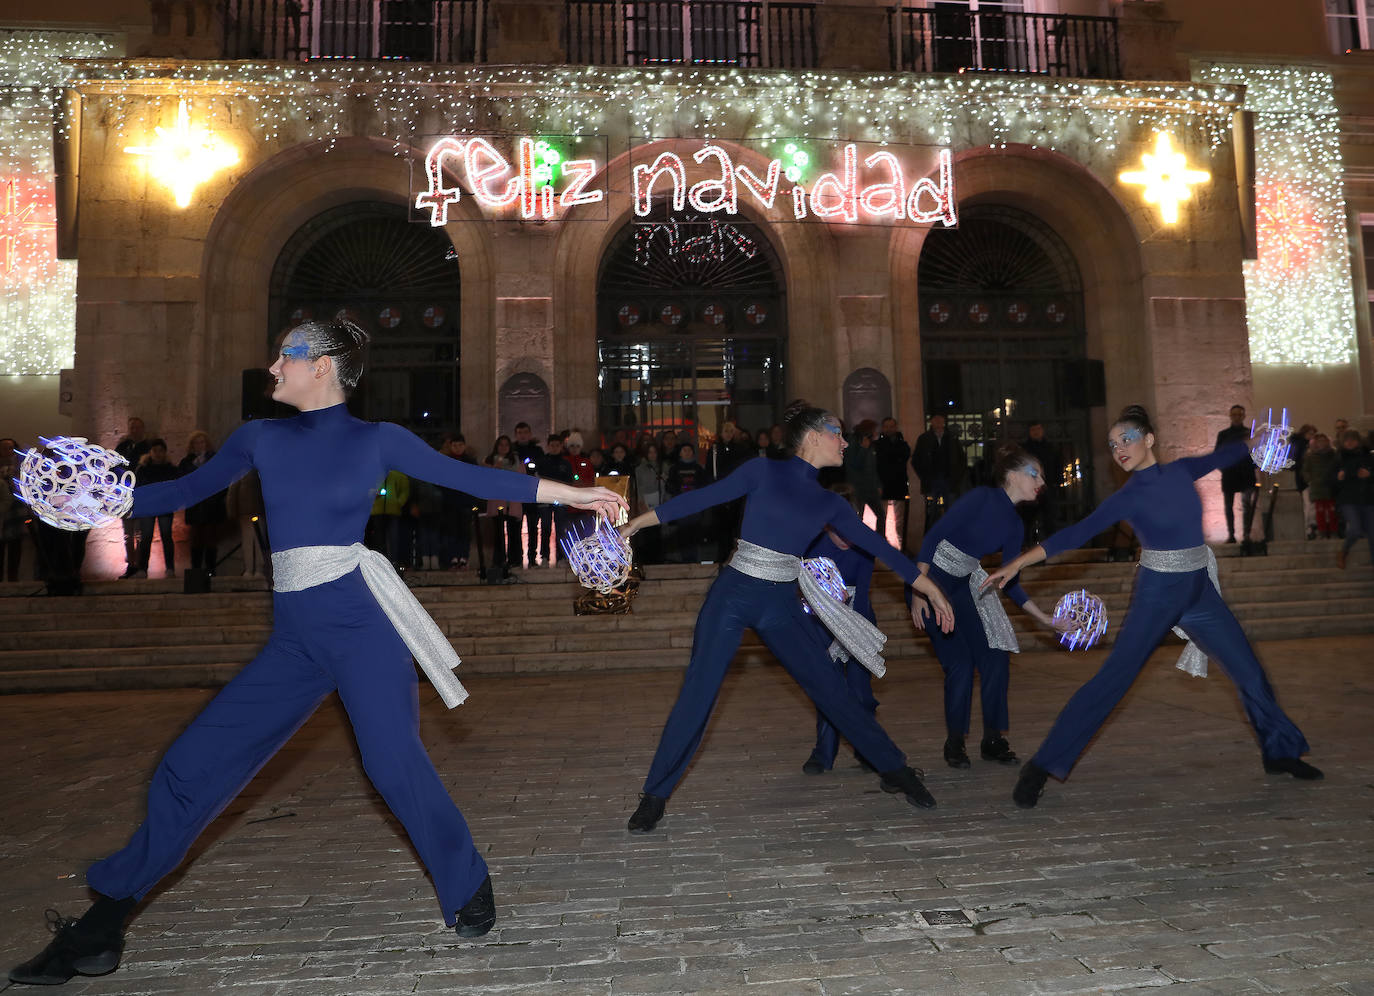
(477, 186)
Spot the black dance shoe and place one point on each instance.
(648, 814)
(1029, 786)
(1296, 767)
(908, 783)
(478, 914)
(814, 765)
(955, 755)
(73, 951)
(997, 749)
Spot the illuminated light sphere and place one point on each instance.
(601, 559)
(1166, 177)
(74, 485)
(183, 157)
(1088, 615)
(1272, 442)
(828, 576)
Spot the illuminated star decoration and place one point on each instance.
(1166, 177)
(1288, 234)
(15, 221)
(184, 157)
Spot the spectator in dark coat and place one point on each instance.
(205, 519)
(1238, 479)
(1042, 515)
(1353, 489)
(155, 468)
(940, 464)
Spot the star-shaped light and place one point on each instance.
(1166, 177)
(183, 157)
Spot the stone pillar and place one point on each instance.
(525, 31)
(1147, 41)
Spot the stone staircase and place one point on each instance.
(147, 634)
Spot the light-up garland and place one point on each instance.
(1299, 306)
(37, 290)
(279, 105)
(719, 240)
(74, 485)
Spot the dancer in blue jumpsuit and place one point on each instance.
(981, 522)
(856, 567)
(1174, 588)
(784, 510)
(319, 473)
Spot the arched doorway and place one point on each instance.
(1002, 339)
(400, 282)
(691, 326)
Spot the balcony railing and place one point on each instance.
(926, 40)
(692, 32)
(301, 30)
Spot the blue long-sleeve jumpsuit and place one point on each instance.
(1162, 506)
(856, 567)
(319, 474)
(784, 510)
(981, 522)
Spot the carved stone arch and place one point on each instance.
(867, 395)
(268, 205)
(524, 397)
(806, 252)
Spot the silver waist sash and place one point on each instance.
(308, 566)
(854, 635)
(1194, 558)
(956, 563)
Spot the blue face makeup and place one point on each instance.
(1128, 436)
(295, 348)
(1032, 472)
(833, 429)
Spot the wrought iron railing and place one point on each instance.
(300, 30)
(950, 40)
(694, 32)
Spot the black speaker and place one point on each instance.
(1085, 383)
(255, 399)
(944, 387)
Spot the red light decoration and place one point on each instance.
(1288, 233)
(26, 211)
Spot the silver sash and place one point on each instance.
(307, 566)
(854, 635)
(1195, 558)
(956, 563)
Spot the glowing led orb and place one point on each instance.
(1272, 443)
(601, 559)
(1088, 616)
(183, 157)
(1166, 177)
(74, 484)
(828, 576)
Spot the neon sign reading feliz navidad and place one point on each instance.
(534, 182)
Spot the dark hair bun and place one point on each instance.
(1137, 416)
(794, 409)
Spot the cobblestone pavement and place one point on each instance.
(1169, 859)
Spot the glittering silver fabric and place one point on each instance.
(956, 563)
(1194, 558)
(854, 635)
(308, 566)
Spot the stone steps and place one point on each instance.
(147, 634)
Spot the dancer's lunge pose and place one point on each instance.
(1177, 587)
(784, 510)
(342, 621)
(981, 522)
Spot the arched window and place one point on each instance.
(1002, 339)
(400, 282)
(691, 326)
